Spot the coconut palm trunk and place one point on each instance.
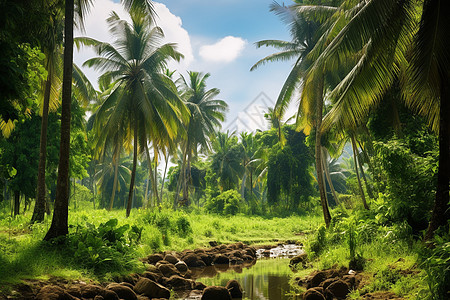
(39, 207)
(328, 177)
(116, 171)
(164, 176)
(133, 171)
(441, 210)
(59, 224)
(318, 152)
(355, 158)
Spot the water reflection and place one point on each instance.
(265, 279)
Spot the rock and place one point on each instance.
(151, 276)
(216, 293)
(313, 294)
(124, 292)
(109, 295)
(193, 261)
(151, 289)
(250, 251)
(207, 258)
(234, 288)
(53, 292)
(170, 258)
(317, 279)
(213, 243)
(154, 258)
(168, 270)
(90, 291)
(350, 280)
(339, 289)
(248, 258)
(236, 261)
(179, 283)
(199, 286)
(98, 297)
(181, 266)
(328, 281)
(299, 259)
(221, 260)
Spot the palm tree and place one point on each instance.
(207, 113)
(59, 224)
(144, 101)
(388, 45)
(226, 160)
(53, 60)
(306, 30)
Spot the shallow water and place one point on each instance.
(265, 279)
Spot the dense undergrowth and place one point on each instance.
(103, 244)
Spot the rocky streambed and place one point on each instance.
(166, 273)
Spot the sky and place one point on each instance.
(216, 37)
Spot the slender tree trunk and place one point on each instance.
(133, 172)
(116, 171)
(16, 203)
(318, 153)
(146, 194)
(39, 207)
(164, 176)
(327, 175)
(366, 183)
(355, 158)
(150, 170)
(441, 210)
(59, 224)
(155, 179)
(187, 180)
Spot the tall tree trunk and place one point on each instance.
(16, 203)
(59, 224)
(133, 171)
(328, 176)
(164, 176)
(155, 179)
(116, 171)
(151, 176)
(146, 203)
(187, 180)
(441, 210)
(355, 158)
(39, 207)
(318, 153)
(366, 183)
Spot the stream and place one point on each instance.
(266, 278)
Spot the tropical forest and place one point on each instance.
(132, 168)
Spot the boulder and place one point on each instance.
(124, 292)
(221, 260)
(317, 279)
(151, 276)
(313, 294)
(193, 261)
(151, 289)
(181, 266)
(339, 289)
(216, 293)
(199, 286)
(179, 283)
(170, 258)
(154, 258)
(328, 281)
(109, 295)
(234, 288)
(90, 291)
(350, 280)
(168, 270)
(53, 292)
(299, 259)
(207, 258)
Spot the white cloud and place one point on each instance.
(97, 28)
(226, 50)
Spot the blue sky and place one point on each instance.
(216, 37)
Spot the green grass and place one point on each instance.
(23, 255)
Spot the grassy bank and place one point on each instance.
(103, 244)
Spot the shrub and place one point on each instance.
(227, 203)
(183, 226)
